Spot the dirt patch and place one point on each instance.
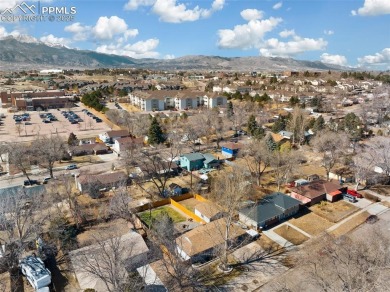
(311, 223)
(291, 234)
(334, 212)
(103, 231)
(386, 204)
(351, 224)
(382, 190)
(268, 244)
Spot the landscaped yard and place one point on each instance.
(311, 223)
(351, 224)
(174, 215)
(291, 234)
(334, 212)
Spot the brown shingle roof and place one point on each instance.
(118, 133)
(208, 209)
(317, 188)
(205, 237)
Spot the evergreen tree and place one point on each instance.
(279, 125)
(319, 124)
(72, 140)
(155, 134)
(230, 111)
(252, 125)
(259, 133)
(271, 144)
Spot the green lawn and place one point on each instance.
(175, 216)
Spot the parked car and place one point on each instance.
(46, 180)
(354, 193)
(71, 166)
(30, 182)
(372, 219)
(350, 198)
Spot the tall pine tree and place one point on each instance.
(230, 112)
(252, 125)
(155, 134)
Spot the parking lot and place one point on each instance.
(49, 122)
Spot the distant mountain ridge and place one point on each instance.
(26, 52)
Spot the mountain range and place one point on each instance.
(26, 52)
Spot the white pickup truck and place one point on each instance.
(36, 273)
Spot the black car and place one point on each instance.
(98, 120)
(30, 182)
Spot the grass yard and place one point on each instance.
(174, 215)
(292, 235)
(350, 224)
(311, 223)
(334, 212)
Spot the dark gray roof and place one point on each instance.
(30, 191)
(269, 207)
(194, 156)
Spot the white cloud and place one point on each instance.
(379, 59)
(287, 33)
(171, 11)
(51, 39)
(169, 57)
(278, 5)
(373, 7)
(80, 32)
(141, 49)
(334, 59)
(328, 32)
(106, 28)
(251, 14)
(248, 35)
(273, 47)
(5, 33)
(135, 4)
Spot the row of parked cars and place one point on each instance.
(22, 118)
(89, 114)
(48, 118)
(72, 117)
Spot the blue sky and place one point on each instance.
(344, 32)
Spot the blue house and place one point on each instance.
(231, 149)
(195, 161)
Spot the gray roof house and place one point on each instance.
(268, 211)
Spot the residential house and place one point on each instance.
(213, 101)
(88, 149)
(286, 134)
(94, 183)
(111, 136)
(133, 255)
(187, 99)
(195, 161)
(175, 189)
(269, 210)
(122, 145)
(208, 211)
(317, 191)
(231, 149)
(200, 243)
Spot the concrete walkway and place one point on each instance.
(298, 229)
(278, 239)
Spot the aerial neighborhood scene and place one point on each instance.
(169, 145)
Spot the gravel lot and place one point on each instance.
(10, 132)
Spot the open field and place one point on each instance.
(311, 223)
(173, 214)
(350, 224)
(22, 132)
(334, 212)
(291, 234)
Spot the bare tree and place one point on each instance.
(345, 264)
(21, 156)
(232, 188)
(332, 146)
(297, 125)
(48, 150)
(23, 214)
(106, 261)
(257, 157)
(283, 164)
